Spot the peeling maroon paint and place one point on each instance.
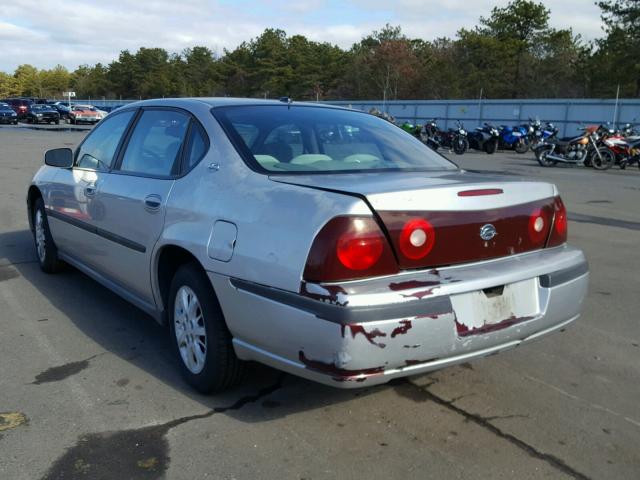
(356, 329)
(339, 374)
(421, 294)
(408, 285)
(332, 298)
(433, 316)
(405, 326)
(464, 331)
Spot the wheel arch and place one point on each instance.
(32, 195)
(168, 259)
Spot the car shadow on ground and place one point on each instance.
(125, 331)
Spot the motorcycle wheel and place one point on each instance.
(432, 145)
(460, 146)
(603, 161)
(541, 156)
(491, 147)
(522, 146)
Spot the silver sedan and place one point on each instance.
(322, 241)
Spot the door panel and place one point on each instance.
(131, 224)
(134, 195)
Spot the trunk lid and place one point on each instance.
(474, 217)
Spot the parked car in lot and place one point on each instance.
(41, 113)
(62, 108)
(19, 105)
(84, 114)
(321, 241)
(7, 114)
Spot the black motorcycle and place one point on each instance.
(453, 139)
(485, 138)
(586, 150)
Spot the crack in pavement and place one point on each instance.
(135, 454)
(485, 423)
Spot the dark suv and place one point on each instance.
(43, 114)
(20, 106)
(7, 115)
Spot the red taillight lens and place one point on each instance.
(539, 223)
(417, 238)
(348, 248)
(560, 227)
(359, 251)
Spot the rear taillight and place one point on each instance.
(417, 238)
(348, 248)
(539, 224)
(559, 230)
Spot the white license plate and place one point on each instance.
(486, 310)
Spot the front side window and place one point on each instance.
(97, 151)
(155, 143)
(309, 139)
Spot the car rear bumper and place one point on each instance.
(364, 333)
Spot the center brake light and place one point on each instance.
(349, 248)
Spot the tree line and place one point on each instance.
(512, 53)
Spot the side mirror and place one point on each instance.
(59, 157)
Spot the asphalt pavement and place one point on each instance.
(89, 388)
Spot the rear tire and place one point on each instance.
(541, 156)
(45, 247)
(199, 335)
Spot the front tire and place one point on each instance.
(199, 335)
(541, 156)
(602, 159)
(491, 147)
(460, 145)
(522, 146)
(45, 248)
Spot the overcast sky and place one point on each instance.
(75, 32)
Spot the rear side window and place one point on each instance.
(196, 146)
(155, 143)
(97, 151)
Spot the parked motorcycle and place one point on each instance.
(485, 138)
(454, 139)
(514, 138)
(586, 149)
(538, 132)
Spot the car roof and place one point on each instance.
(223, 102)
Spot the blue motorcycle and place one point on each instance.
(514, 138)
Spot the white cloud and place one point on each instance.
(72, 32)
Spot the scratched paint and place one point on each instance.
(339, 374)
(464, 331)
(405, 326)
(370, 335)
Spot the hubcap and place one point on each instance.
(41, 241)
(191, 334)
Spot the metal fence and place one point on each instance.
(567, 114)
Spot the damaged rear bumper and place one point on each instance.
(367, 332)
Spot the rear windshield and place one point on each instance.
(308, 139)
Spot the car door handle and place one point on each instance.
(152, 202)
(90, 190)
